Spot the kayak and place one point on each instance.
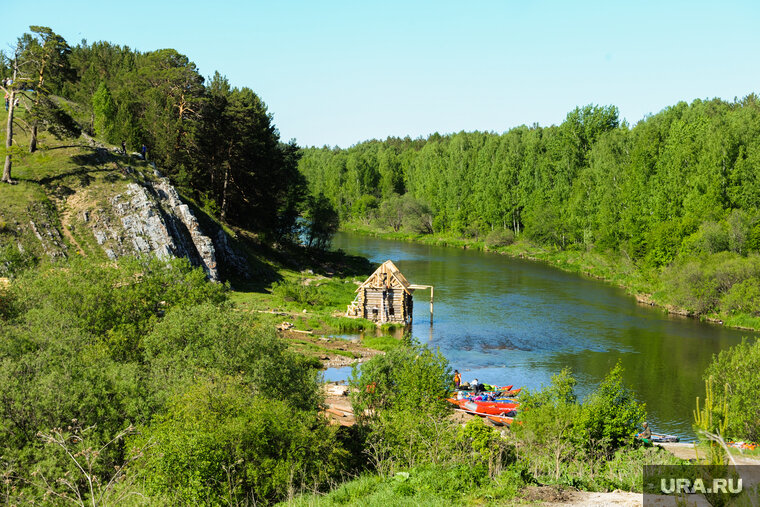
(479, 408)
(500, 420)
(494, 404)
(662, 438)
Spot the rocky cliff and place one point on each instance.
(151, 218)
(108, 209)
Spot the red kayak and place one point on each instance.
(484, 408)
(500, 420)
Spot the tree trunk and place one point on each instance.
(33, 139)
(9, 138)
(224, 194)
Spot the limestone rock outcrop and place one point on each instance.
(150, 218)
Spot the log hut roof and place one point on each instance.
(391, 272)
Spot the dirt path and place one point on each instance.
(69, 206)
(687, 451)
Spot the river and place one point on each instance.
(511, 321)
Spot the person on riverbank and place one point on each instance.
(457, 379)
(646, 435)
(144, 152)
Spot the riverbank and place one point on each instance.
(643, 283)
(305, 301)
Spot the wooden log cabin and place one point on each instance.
(386, 296)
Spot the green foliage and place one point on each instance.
(610, 416)
(500, 237)
(736, 381)
(677, 185)
(384, 343)
(119, 304)
(216, 341)
(301, 293)
(406, 212)
(487, 445)
(547, 422)
(406, 378)
(220, 443)
(556, 433)
(13, 262)
(322, 222)
(104, 111)
(743, 298)
(701, 284)
(711, 423)
(111, 344)
(423, 486)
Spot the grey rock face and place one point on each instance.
(152, 219)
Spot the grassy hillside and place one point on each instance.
(54, 189)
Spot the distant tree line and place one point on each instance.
(217, 142)
(680, 185)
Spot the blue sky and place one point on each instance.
(338, 73)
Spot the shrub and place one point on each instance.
(546, 424)
(13, 262)
(555, 432)
(300, 293)
(711, 237)
(743, 297)
(412, 377)
(735, 371)
(499, 238)
(118, 303)
(610, 417)
(220, 444)
(701, 285)
(217, 341)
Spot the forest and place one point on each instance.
(676, 194)
(217, 143)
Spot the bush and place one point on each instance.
(555, 433)
(300, 293)
(217, 341)
(219, 443)
(711, 237)
(609, 418)
(743, 297)
(117, 303)
(546, 424)
(13, 262)
(735, 371)
(701, 285)
(499, 238)
(405, 378)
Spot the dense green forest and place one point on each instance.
(216, 142)
(678, 193)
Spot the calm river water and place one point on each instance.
(509, 321)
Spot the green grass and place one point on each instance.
(312, 349)
(421, 486)
(384, 343)
(44, 180)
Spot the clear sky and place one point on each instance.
(338, 73)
